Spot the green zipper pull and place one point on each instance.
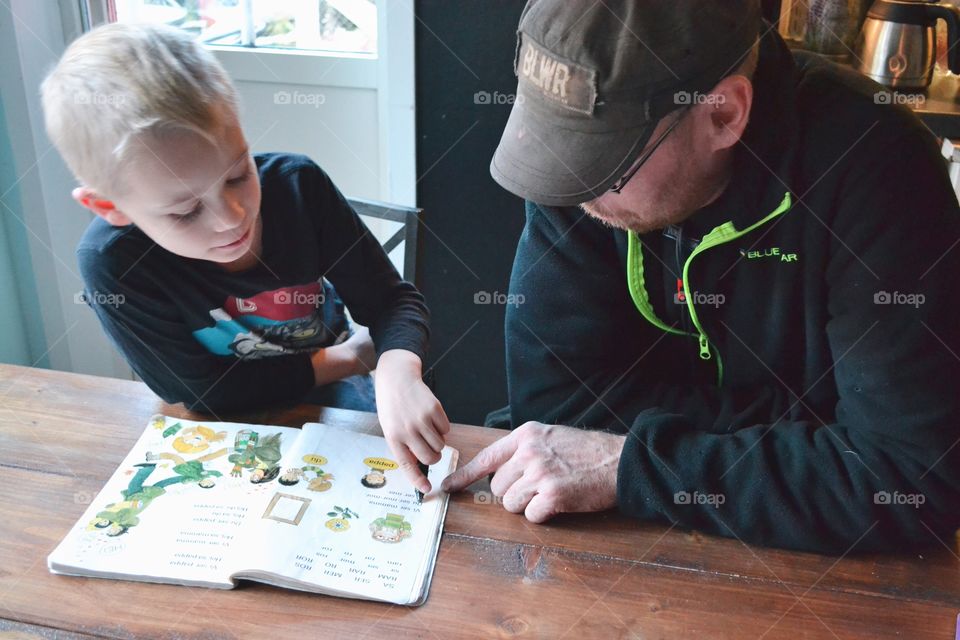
(704, 347)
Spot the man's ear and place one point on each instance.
(88, 198)
(730, 112)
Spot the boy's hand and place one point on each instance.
(354, 356)
(361, 346)
(412, 419)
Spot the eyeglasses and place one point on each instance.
(622, 182)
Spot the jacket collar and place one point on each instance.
(763, 158)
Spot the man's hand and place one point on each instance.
(542, 470)
(413, 422)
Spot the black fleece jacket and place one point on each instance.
(834, 424)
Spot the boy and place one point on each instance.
(216, 259)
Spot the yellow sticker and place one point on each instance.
(313, 458)
(380, 463)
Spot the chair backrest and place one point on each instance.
(397, 228)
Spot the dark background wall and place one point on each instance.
(465, 48)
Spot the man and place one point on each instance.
(737, 271)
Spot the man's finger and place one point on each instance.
(519, 494)
(504, 478)
(487, 461)
(540, 509)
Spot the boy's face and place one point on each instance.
(193, 198)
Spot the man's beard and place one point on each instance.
(638, 222)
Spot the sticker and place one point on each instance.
(195, 439)
(376, 478)
(321, 482)
(290, 477)
(391, 528)
(119, 517)
(172, 429)
(259, 456)
(314, 459)
(340, 518)
(382, 464)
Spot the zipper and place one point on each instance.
(722, 234)
(681, 246)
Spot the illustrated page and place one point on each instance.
(342, 515)
(179, 506)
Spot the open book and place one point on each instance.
(318, 509)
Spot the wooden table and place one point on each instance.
(63, 435)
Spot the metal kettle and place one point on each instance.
(897, 45)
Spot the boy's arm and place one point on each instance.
(148, 331)
(353, 260)
(412, 418)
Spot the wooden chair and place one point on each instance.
(398, 230)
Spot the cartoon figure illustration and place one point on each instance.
(119, 517)
(260, 456)
(172, 429)
(374, 480)
(377, 476)
(262, 474)
(391, 528)
(290, 477)
(322, 480)
(197, 439)
(340, 518)
(245, 437)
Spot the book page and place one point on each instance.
(344, 517)
(177, 508)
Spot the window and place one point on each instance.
(341, 26)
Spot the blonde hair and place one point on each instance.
(121, 81)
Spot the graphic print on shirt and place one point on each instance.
(282, 321)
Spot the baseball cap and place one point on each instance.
(595, 78)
